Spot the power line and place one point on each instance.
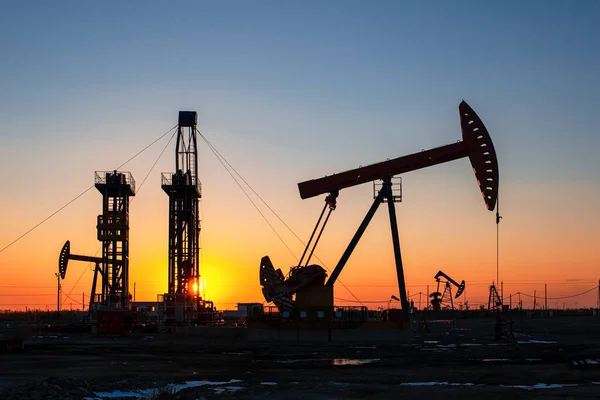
(147, 147)
(82, 273)
(219, 157)
(223, 160)
(154, 165)
(559, 298)
(47, 218)
(81, 194)
(138, 189)
(364, 301)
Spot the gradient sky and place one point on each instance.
(290, 91)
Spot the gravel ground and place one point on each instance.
(458, 361)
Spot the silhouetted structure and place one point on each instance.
(444, 300)
(494, 301)
(476, 144)
(111, 305)
(182, 301)
(113, 232)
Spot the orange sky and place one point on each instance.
(443, 225)
(294, 91)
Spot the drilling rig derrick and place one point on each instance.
(182, 300)
(111, 304)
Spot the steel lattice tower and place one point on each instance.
(113, 232)
(184, 190)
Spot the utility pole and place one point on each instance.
(546, 296)
(427, 298)
(134, 283)
(83, 301)
(498, 218)
(510, 301)
(57, 292)
(598, 312)
(534, 299)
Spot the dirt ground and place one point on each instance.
(456, 360)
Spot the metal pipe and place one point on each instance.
(387, 187)
(312, 235)
(319, 236)
(361, 229)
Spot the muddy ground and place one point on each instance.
(457, 360)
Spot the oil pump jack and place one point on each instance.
(307, 282)
(442, 300)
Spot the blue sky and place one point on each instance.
(314, 76)
(290, 91)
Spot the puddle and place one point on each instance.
(117, 394)
(270, 383)
(526, 387)
(541, 386)
(300, 360)
(350, 361)
(435, 384)
(536, 342)
(495, 359)
(335, 361)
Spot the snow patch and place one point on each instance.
(269, 383)
(174, 388)
(587, 361)
(221, 390)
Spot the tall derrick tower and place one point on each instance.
(113, 231)
(184, 191)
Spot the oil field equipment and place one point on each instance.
(307, 282)
(182, 303)
(444, 300)
(111, 304)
